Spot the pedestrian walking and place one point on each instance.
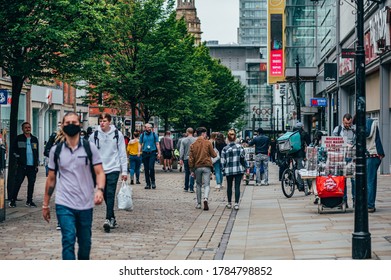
(184, 151)
(111, 147)
(150, 149)
(134, 157)
(75, 193)
(262, 149)
(219, 144)
(375, 154)
(201, 152)
(167, 147)
(25, 150)
(234, 164)
(347, 130)
(178, 147)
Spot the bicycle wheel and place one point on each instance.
(288, 183)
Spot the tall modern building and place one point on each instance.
(252, 22)
(186, 9)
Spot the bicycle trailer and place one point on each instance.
(331, 191)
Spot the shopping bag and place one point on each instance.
(124, 196)
(330, 186)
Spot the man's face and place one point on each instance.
(71, 119)
(347, 123)
(26, 128)
(148, 128)
(104, 124)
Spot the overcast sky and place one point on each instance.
(219, 20)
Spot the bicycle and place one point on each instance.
(289, 180)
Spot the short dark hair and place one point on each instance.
(105, 116)
(260, 130)
(200, 130)
(23, 124)
(347, 116)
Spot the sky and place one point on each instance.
(219, 20)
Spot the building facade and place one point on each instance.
(341, 93)
(252, 22)
(186, 9)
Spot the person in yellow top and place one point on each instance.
(134, 157)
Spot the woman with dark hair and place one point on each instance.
(234, 164)
(218, 144)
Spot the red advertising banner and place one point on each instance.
(276, 63)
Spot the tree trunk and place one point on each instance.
(17, 84)
(133, 108)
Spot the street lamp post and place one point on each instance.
(282, 114)
(361, 240)
(297, 62)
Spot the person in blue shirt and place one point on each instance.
(149, 146)
(26, 152)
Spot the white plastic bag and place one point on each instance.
(124, 196)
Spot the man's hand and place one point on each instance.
(98, 198)
(46, 213)
(124, 177)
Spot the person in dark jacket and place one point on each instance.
(26, 152)
(262, 150)
(300, 155)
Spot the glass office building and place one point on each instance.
(300, 33)
(252, 22)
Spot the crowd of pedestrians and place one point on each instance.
(92, 163)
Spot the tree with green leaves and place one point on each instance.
(45, 39)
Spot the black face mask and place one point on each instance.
(71, 129)
(148, 132)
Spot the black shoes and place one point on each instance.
(31, 204)
(131, 182)
(371, 210)
(138, 182)
(153, 186)
(206, 207)
(147, 187)
(12, 204)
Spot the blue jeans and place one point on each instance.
(189, 180)
(261, 159)
(149, 167)
(109, 193)
(218, 173)
(75, 224)
(135, 164)
(372, 166)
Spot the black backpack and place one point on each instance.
(96, 139)
(49, 144)
(87, 148)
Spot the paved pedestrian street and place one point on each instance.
(165, 225)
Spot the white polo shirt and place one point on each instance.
(74, 182)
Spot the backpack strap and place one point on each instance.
(339, 130)
(87, 148)
(116, 136)
(57, 152)
(96, 139)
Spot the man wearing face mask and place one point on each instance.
(149, 145)
(76, 195)
(26, 153)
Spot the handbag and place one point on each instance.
(124, 196)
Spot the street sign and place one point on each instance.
(348, 53)
(3, 96)
(128, 123)
(318, 102)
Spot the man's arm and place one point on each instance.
(100, 182)
(49, 189)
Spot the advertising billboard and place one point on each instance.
(276, 41)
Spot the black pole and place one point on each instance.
(297, 62)
(282, 114)
(278, 111)
(361, 241)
